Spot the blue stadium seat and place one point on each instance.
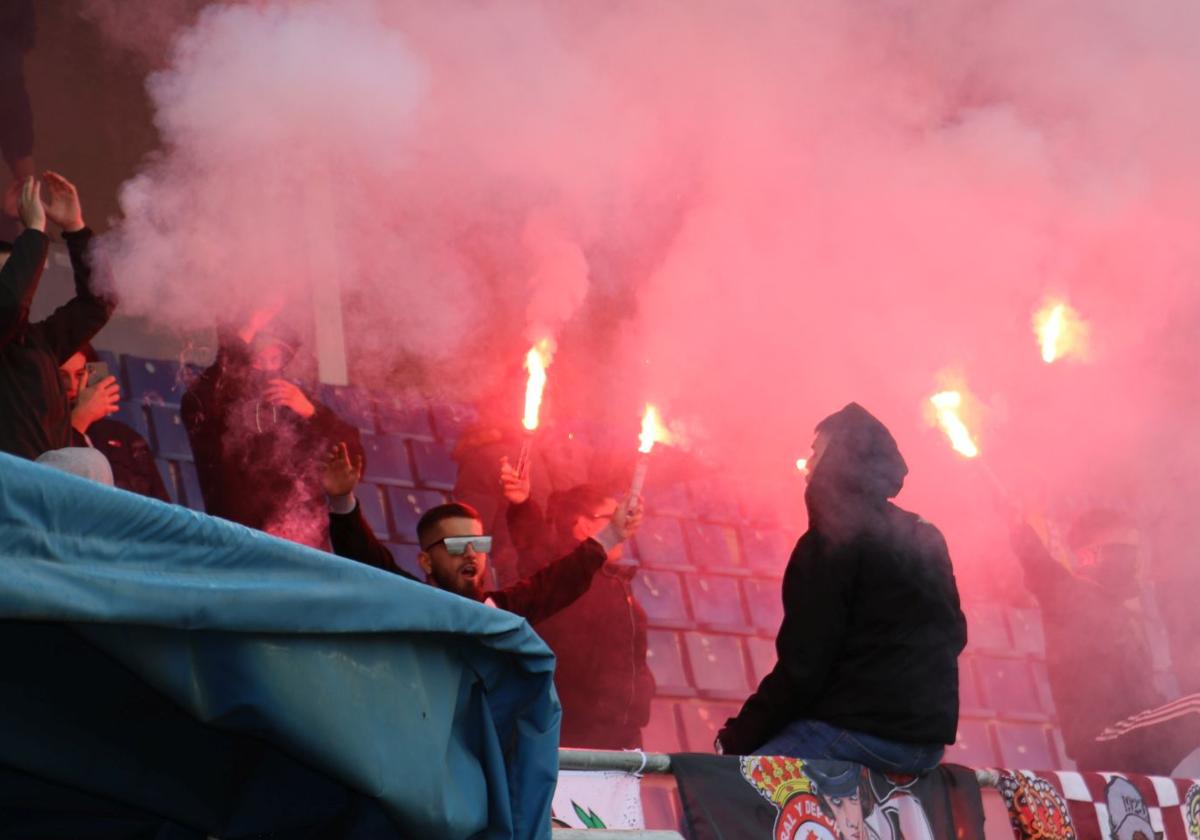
(766, 550)
(153, 381)
(712, 546)
(764, 599)
(716, 602)
(702, 721)
(661, 734)
(451, 419)
(168, 477)
(973, 748)
(387, 459)
(408, 505)
(1025, 746)
(762, 656)
(987, 628)
(405, 557)
(661, 596)
(718, 664)
(1008, 686)
(354, 405)
(1025, 624)
(665, 658)
(370, 500)
(435, 467)
(133, 415)
(659, 543)
(189, 482)
(404, 414)
(170, 436)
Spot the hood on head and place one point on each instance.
(860, 469)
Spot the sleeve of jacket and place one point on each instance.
(203, 414)
(80, 318)
(332, 429)
(352, 538)
(527, 530)
(555, 587)
(19, 281)
(644, 684)
(1044, 576)
(817, 592)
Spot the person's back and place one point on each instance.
(872, 629)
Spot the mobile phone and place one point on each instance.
(96, 371)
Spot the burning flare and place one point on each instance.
(653, 431)
(947, 405)
(802, 464)
(1060, 331)
(536, 362)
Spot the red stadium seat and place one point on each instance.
(987, 629)
(1026, 627)
(717, 602)
(660, 805)
(718, 664)
(766, 550)
(974, 746)
(712, 546)
(659, 543)
(661, 595)
(1008, 686)
(969, 698)
(1025, 746)
(702, 721)
(764, 599)
(667, 500)
(664, 655)
(762, 656)
(661, 734)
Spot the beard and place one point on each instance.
(456, 583)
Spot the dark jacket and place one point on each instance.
(601, 675)
(1101, 669)
(34, 413)
(536, 598)
(129, 455)
(872, 625)
(259, 464)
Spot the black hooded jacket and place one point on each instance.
(872, 625)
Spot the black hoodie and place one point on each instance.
(872, 625)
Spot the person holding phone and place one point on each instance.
(94, 396)
(34, 412)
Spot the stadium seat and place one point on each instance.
(1025, 746)
(661, 734)
(713, 501)
(1041, 681)
(718, 664)
(153, 381)
(659, 543)
(114, 368)
(969, 698)
(973, 747)
(168, 477)
(764, 599)
(133, 415)
(408, 505)
(661, 596)
(667, 500)
(665, 658)
(404, 414)
(660, 805)
(450, 419)
(766, 550)
(1025, 625)
(405, 557)
(716, 602)
(712, 546)
(170, 436)
(387, 459)
(435, 467)
(351, 404)
(762, 656)
(370, 500)
(189, 483)
(702, 721)
(1008, 686)
(987, 629)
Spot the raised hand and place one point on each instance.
(339, 476)
(95, 402)
(627, 518)
(284, 393)
(63, 208)
(516, 487)
(29, 205)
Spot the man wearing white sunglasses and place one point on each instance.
(454, 549)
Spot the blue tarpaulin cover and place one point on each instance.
(168, 666)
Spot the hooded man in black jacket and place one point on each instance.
(872, 627)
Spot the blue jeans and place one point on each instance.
(815, 739)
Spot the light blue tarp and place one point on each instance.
(439, 709)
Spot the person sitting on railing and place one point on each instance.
(127, 451)
(602, 678)
(252, 433)
(34, 415)
(872, 628)
(454, 549)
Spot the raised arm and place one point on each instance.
(23, 269)
(349, 531)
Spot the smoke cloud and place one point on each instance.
(748, 213)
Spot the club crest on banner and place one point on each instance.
(1191, 812)
(783, 782)
(1037, 810)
